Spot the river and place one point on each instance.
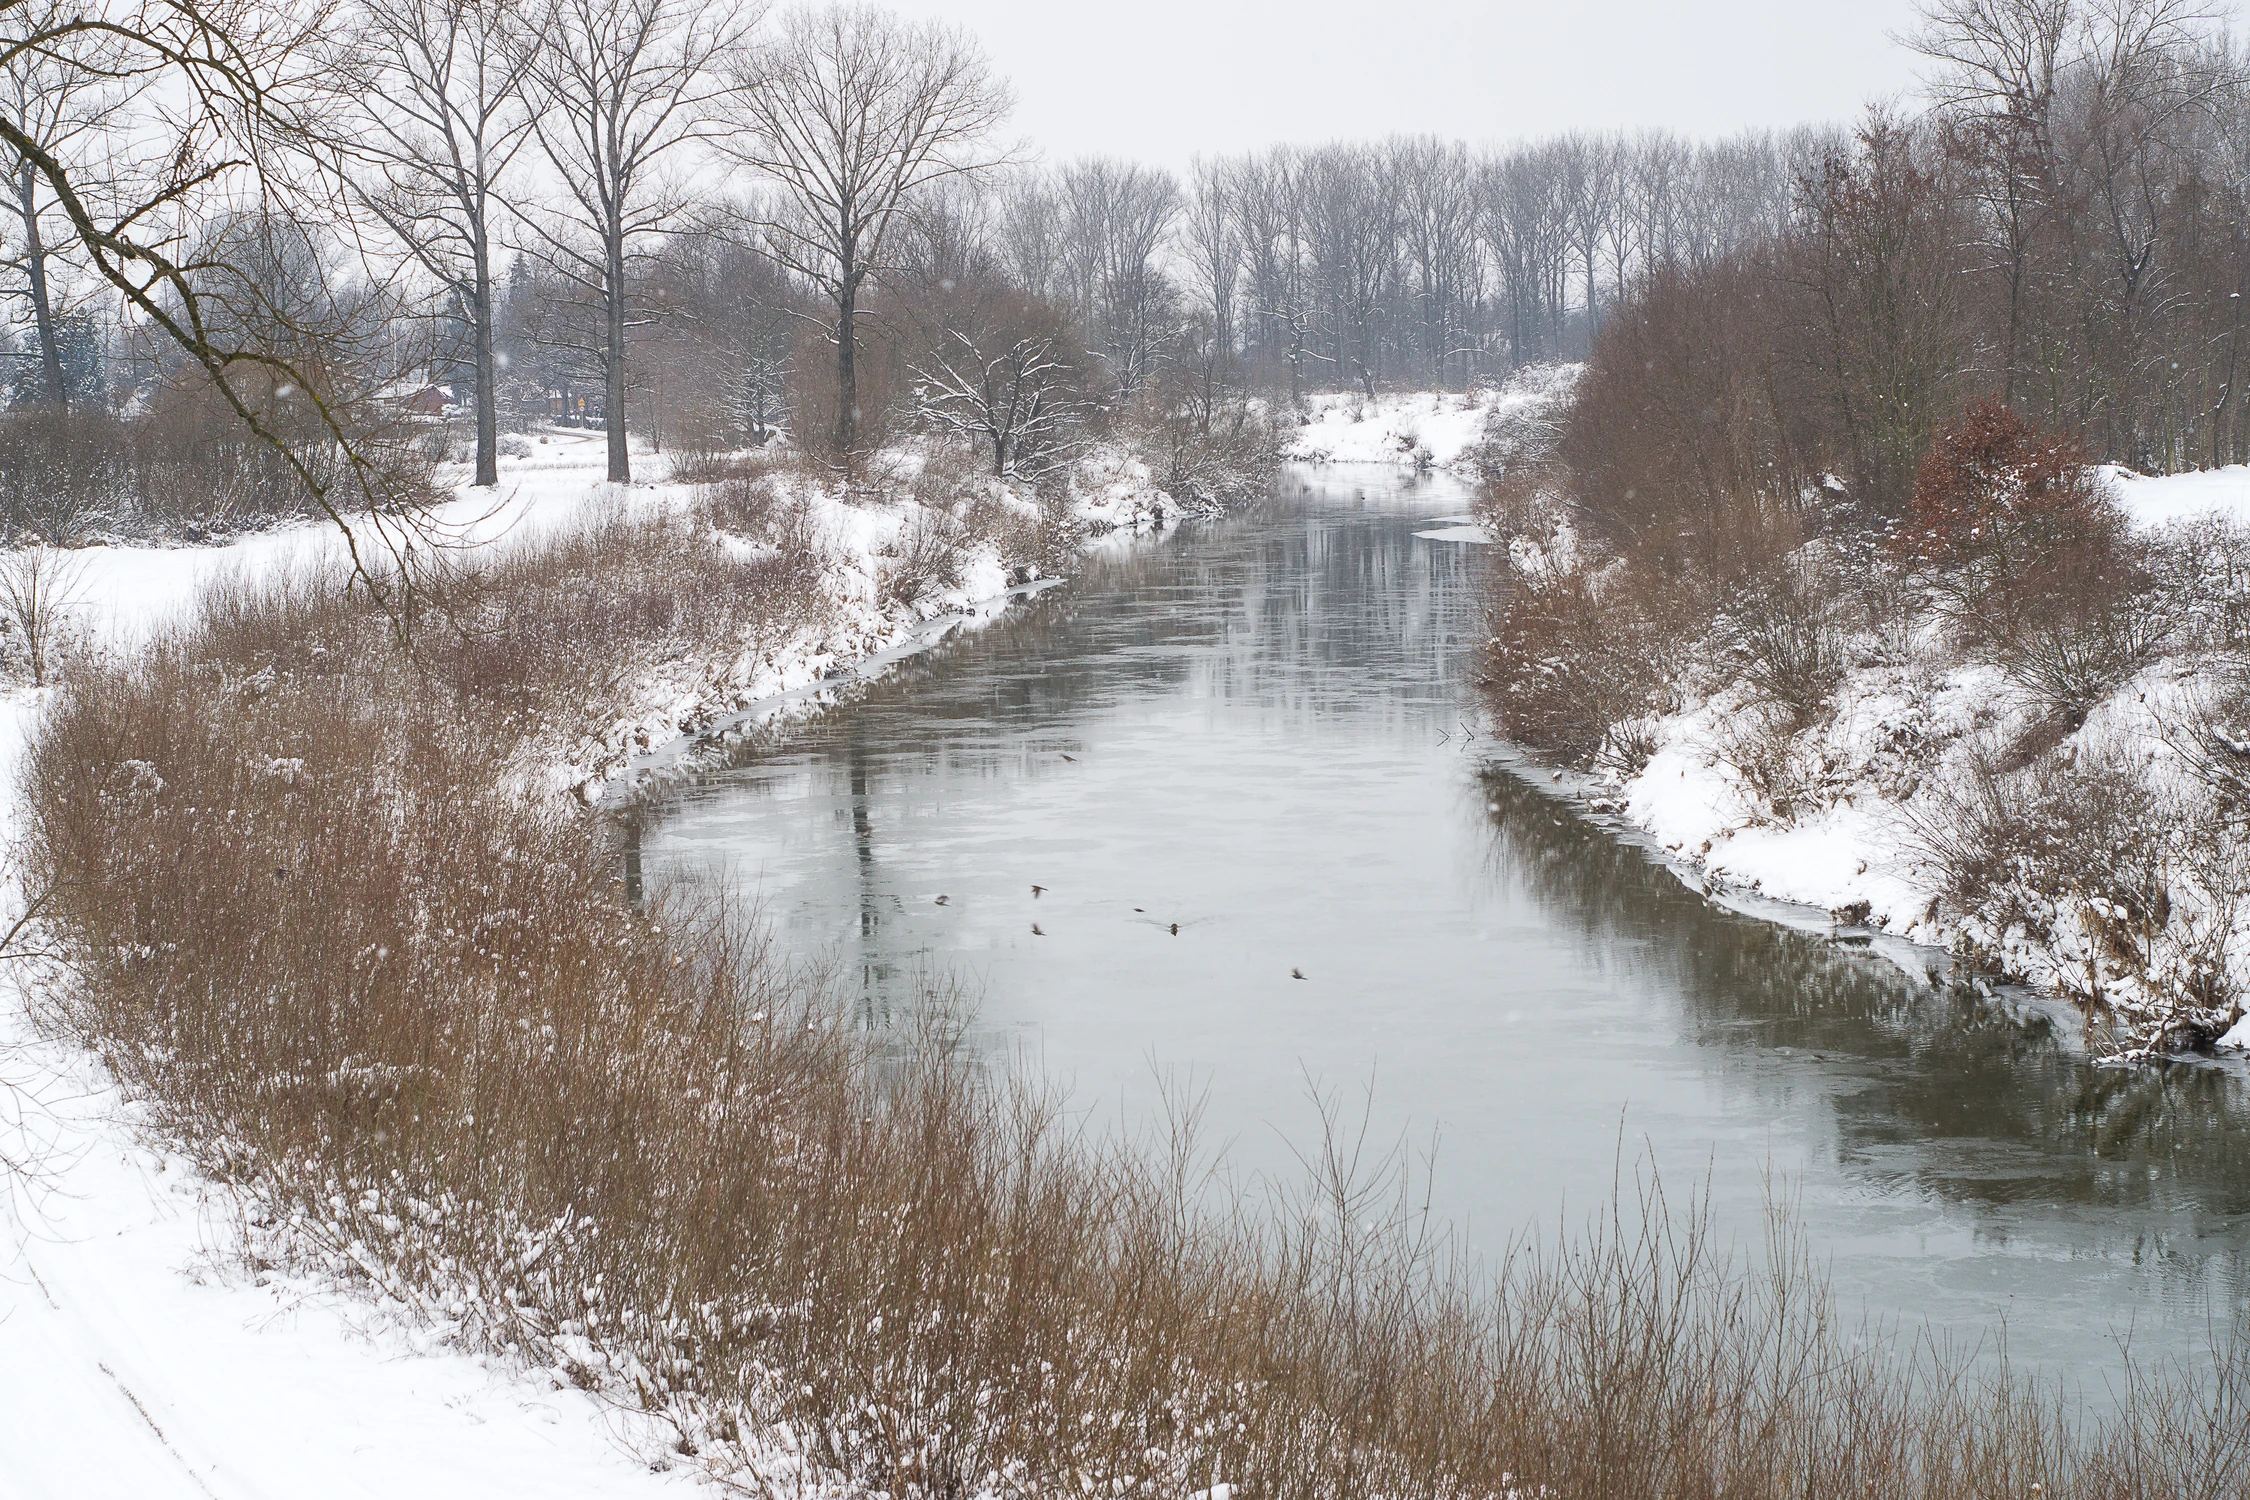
(1241, 754)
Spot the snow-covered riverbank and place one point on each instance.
(135, 1345)
(1423, 429)
(1844, 813)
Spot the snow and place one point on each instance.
(1456, 529)
(1845, 842)
(149, 1367)
(146, 1361)
(1420, 429)
(2159, 500)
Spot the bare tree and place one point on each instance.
(1211, 243)
(38, 585)
(614, 89)
(231, 76)
(1005, 384)
(852, 112)
(1118, 217)
(432, 95)
(1029, 233)
(61, 95)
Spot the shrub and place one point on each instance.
(1577, 653)
(926, 557)
(1782, 628)
(37, 586)
(64, 479)
(2075, 852)
(2015, 530)
(187, 467)
(410, 1014)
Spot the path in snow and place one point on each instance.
(136, 1361)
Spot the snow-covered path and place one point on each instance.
(137, 1362)
(136, 1358)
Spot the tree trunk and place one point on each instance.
(488, 407)
(847, 373)
(613, 310)
(42, 309)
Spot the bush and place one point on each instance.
(1577, 653)
(411, 1015)
(1782, 629)
(926, 557)
(2075, 852)
(187, 467)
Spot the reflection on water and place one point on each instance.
(1132, 810)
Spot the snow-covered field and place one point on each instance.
(139, 1360)
(1420, 429)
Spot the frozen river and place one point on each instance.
(1253, 730)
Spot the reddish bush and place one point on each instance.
(1998, 503)
(2017, 531)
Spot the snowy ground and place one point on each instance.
(2184, 497)
(1847, 850)
(138, 1360)
(1420, 429)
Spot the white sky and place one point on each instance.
(1164, 80)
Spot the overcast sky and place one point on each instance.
(1163, 80)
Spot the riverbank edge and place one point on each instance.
(83, 1115)
(1846, 846)
(1593, 798)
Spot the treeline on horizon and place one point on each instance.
(436, 199)
(2063, 223)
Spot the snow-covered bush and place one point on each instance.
(924, 557)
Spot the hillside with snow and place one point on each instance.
(1843, 820)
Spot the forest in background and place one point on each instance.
(617, 215)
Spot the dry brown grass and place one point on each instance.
(411, 1014)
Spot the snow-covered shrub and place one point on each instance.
(925, 557)
(745, 505)
(1218, 467)
(2077, 868)
(1519, 435)
(38, 584)
(63, 478)
(1580, 652)
(2017, 533)
(1783, 629)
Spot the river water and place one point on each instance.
(1253, 731)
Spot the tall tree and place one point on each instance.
(615, 88)
(432, 95)
(233, 78)
(852, 112)
(60, 94)
(1117, 218)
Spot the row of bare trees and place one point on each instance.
(1412, 259)
(810, 221)
(2065, 227)
(434, 139)
(601, 195)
